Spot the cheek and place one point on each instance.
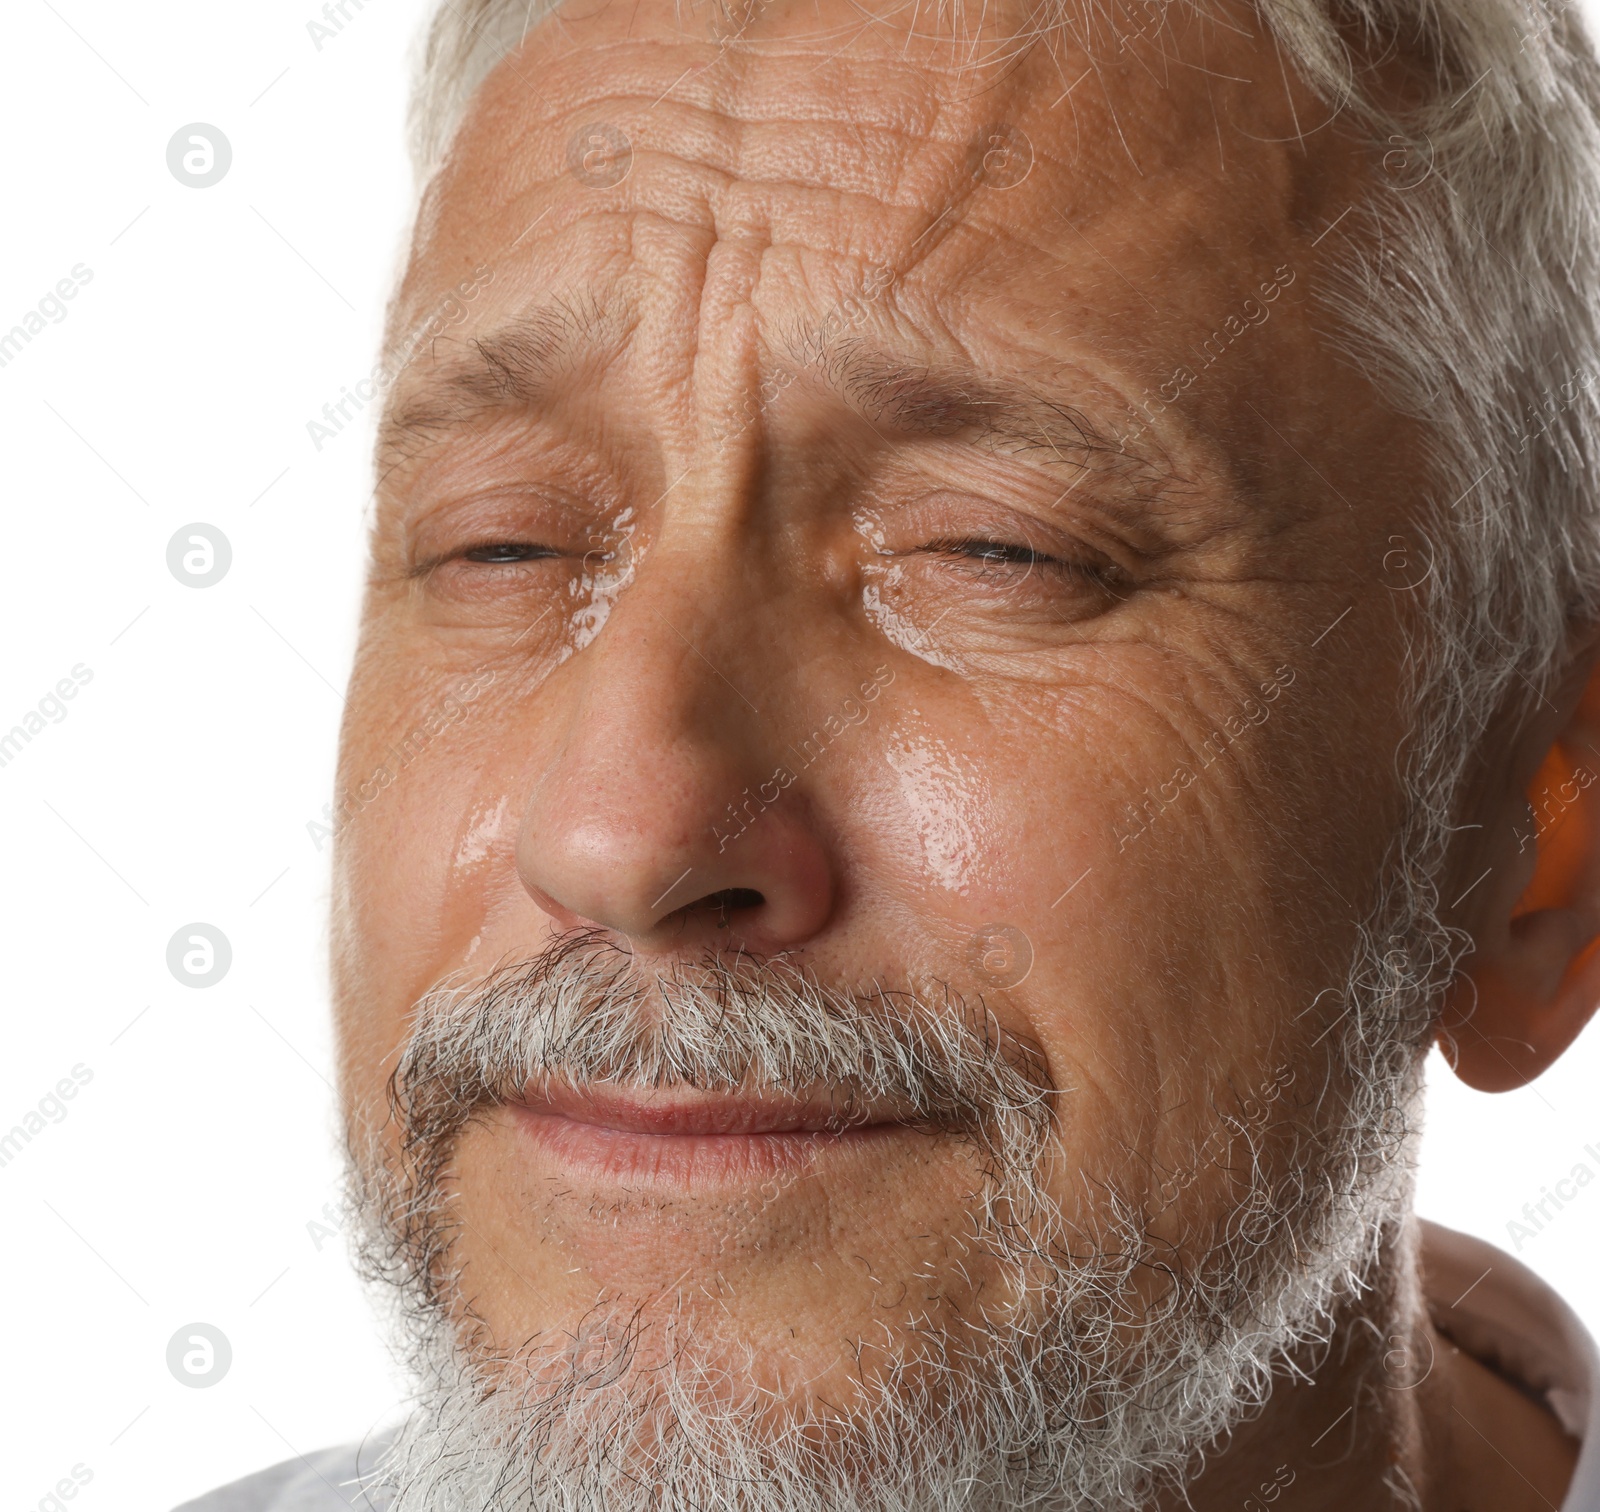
(947, 829)
(421, 854)
(1103, 891)
(390, 875)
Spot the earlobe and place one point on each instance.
(1532, 980)
(1506, 1023)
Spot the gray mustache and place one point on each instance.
(584, 1012)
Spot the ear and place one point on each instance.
(1532, 980)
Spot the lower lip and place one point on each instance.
(630, 1157)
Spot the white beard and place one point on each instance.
(1079, 1397)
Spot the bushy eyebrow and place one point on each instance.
(933, 400)
(516, 366)
(520, 365)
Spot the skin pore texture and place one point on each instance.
(857, 504)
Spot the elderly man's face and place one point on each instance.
(883, 503)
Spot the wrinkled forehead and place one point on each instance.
(1172, 132)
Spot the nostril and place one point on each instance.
(739, 897)
(725, 901)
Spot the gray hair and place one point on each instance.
(1466, 288)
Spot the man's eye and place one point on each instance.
(499, 552)
(997, 553)
(1011, 559)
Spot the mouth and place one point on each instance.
(685, 1137)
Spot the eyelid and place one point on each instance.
(1087, 536)
(1057, 547)
(1090, 568)
(431, 564)
(533, 551)
(493, 510)
(1112, 524)
(955, 543)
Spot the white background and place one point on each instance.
(188, 1180)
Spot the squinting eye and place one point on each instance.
(1011, 562)
(987, 553)
(998, 552)
(508, 551)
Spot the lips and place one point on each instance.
(685, 1137)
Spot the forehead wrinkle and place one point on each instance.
(738, 83)
(744, 117)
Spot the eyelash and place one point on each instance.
(504, 552)
(990, 554)
(986, 555)
(510, 553)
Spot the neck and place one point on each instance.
(1389, 1414)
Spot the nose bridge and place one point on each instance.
(649, 698)
(665, 729)
(684, 637)
(680, 641)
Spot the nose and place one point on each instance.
(665, 813)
